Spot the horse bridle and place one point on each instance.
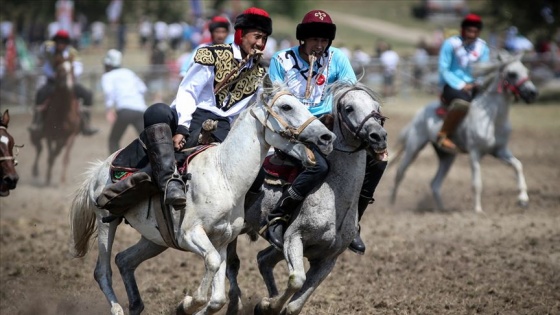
(344, 121)
(513, 88)
(11, 157)
(289, 132)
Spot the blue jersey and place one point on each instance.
(289, 67)
(456, 59)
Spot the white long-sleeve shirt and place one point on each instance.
(123, 89)
(197, 90)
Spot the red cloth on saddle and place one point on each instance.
(275, 167)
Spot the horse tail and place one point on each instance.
(399, 148)
(82, 214)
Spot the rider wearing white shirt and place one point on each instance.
(215, 87)
(124, 98)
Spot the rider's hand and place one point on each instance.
(178, 141)
(468, 87)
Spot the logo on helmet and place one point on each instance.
(320, 15)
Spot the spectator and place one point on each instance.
(144, 31)
(389, 61)
(516, 42)
(97, 33)
(420, 60)
(124, 98)
(160, 32)
(175, 33)
(360, 59)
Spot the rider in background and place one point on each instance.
(219, 31)
(124, 98)
(206, 92)
(60, 45)
(457, 55)
(315, 35)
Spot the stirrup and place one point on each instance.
(285, 218)
(176, 178)
(441, 139)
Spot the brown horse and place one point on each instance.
(8, 162)
(61, 119)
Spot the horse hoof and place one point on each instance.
(523, 204)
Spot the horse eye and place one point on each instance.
(286, 107)
(512, 75)
(349, 109)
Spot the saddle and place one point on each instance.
(131, 176)
(442, 109)
(281, 169)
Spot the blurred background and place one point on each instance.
(156, 36)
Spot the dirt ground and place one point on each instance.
(506, 261)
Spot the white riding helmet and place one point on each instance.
(113, 58)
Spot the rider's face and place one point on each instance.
(253, 39)
(61, 45)
(470, 34)
(219, 35)
(316, 45)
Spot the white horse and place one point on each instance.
(485, 130)
(214, 216)
(326, 223)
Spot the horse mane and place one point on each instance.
(488, 71)
(340, 87)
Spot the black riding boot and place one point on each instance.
(159, 144)
(278, 218)
(86, 128)
(357, 245)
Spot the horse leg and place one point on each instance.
(445, 162)
(39, 148)
(293, 252)
(476, 180)
(235, 304)
(218, 295)
(411, 149)
(66, 158)
(198, 242)
(127, 261)
(318, 271)
(267, 259)
(103, 273)
(54, 150)
(506, 156)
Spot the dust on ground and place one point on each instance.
(506, 261)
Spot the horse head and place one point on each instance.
(285, 117)
(64, 72)
(358, 120)
(8, 174)
(508, 75)
(515, 78)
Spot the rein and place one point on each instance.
(289, 132)
(344, 121)
(11, 157)
(513, 88)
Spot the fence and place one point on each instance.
(19, 89)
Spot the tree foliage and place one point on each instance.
(535, 18)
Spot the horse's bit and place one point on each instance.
(289, 132)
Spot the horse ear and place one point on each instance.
(6, 118)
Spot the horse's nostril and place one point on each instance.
(326, 137)
(375, 137)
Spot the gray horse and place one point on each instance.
(485, 130)
(326, 223)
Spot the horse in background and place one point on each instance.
(214, 215)
(327, 221)
(485, 130)
(8, 162)
(61, 120)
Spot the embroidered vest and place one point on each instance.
(242, 84)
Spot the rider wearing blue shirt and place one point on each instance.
(292, 66)
(456, 57)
